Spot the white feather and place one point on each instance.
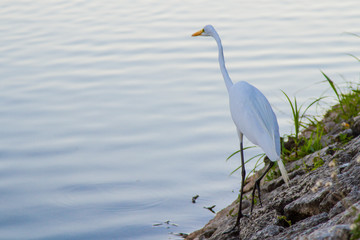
(283, 171)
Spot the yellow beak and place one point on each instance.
(198, 33)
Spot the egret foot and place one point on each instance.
(232, 230)
(257, 186)
(236, 227)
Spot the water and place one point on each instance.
(113, 117)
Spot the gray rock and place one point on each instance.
(320, 204)
(306, 206)
(267, 232)
(337, 232)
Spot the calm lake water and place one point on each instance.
(112, 117)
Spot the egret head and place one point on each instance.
(208, 30)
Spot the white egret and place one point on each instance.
(253, 117)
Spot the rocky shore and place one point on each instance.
(322, 202)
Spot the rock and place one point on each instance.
(356, 126)
(319, 204)
(304, 227)
(337, 232)
(306, 206)
(267, 232)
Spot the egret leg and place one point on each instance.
(257, 185)
(243, 174)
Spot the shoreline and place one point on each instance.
(322, 202)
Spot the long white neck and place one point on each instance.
(224, 72)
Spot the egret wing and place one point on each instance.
(254, 117)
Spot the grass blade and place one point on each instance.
(351, 55)
(260, 155)
(238, 151)
(334, 87)
(312, 103)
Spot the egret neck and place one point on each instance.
(224, 72)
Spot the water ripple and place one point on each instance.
(113, 116)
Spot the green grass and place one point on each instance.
(318, 162)
(258, 156)
(303, 146)
(273, 173)
(312, 144)
(348, 98)
(345, 138)
(355, 229)
(284, 219)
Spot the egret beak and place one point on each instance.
(198, 33)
